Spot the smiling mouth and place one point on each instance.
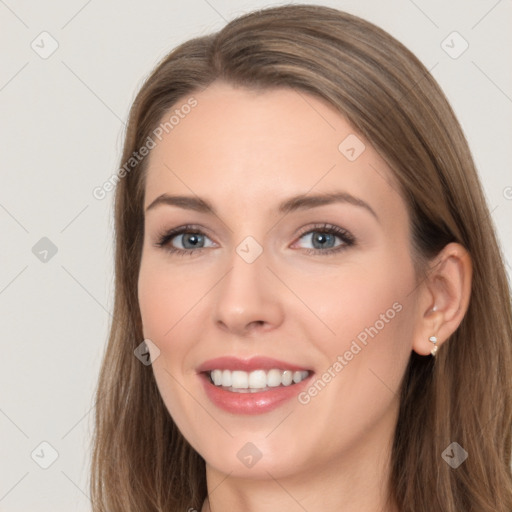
(238, 381)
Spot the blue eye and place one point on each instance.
(323, 237)
(191, 240)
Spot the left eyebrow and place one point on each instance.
(300, 202)
(304, 202)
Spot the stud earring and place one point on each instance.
(433, 339)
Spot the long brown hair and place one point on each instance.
(141, 462)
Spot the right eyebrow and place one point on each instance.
(187, 202)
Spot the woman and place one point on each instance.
(305, 256)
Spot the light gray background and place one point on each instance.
(61, 128)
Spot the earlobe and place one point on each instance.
(427, 340)
(443, 299)
(433, 339)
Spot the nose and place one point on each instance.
(247, 299)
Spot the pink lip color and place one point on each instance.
(249, 403)
(247, 365)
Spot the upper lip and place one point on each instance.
(247, 365)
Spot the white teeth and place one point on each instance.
(274, 378)
(226, 378)
(217, 377)
(257, 379)
(297, 377)
(287, 378)
(238, 380)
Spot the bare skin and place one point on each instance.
(245, 152)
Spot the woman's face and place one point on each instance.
(293, 292)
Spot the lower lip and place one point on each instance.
(251, 403)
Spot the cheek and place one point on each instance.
(364, 363)
(154, 302)
(369, 310)
(166, 305)
(374, 334)
(363, 301)
(166, 296)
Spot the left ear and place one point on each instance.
(443, 298)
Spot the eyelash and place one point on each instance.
(347, 238)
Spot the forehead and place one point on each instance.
(260, 145)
